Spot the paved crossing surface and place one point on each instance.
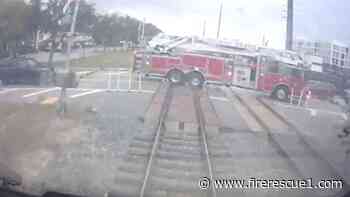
(98, 83)
(109, 107)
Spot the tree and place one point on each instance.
(14, 17)
(51, 22)
(112, 29)
(86, 18)
(20, 21)
(55, 22)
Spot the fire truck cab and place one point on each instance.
(280, 78)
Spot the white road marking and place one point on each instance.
(109, 83)
(312, 111)
(133, 91)
(332, 113)
(219, 99)
(41, 92)
(8, 90)
(83, 72)
(345, 117)
(111, 90)
(116, 73)
(87, 93)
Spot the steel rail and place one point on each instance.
(313, 151)
(164, 111)
(265, 127)
(202, 130)
(293, 128)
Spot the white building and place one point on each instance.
(314, 62)
(333, 53)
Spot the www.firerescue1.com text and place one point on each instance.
(254, 183)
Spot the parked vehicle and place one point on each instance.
(4, 55)
(23, 71)
(321, 90)
(25, 47)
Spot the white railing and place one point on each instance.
(300, 97)
(132, 79)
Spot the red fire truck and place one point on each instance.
(281, 78)
(280, 75)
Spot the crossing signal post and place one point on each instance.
(69, 76)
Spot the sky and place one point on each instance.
(248, 20)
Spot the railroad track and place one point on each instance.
(167, 162)
(291, 145)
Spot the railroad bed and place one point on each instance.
(181, 144)
(170, 157)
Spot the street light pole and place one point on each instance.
(219, 22)
(62, 107)
(290, 21)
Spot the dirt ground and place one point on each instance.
(30, 134)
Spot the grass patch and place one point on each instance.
(106, 59)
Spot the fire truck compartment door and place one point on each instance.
(241, 76)
(216, 67)
(159, 62)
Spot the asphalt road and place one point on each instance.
(81, 152)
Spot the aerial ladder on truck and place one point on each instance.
(166, 47)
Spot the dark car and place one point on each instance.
(24, 71)
(25, 49)
(321, 90)
(4, 55)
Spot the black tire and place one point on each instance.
(281, 93)
(195, 79)
(175, 77)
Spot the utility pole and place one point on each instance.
(290, 24)
(204, 29)
(139, 32)
(143, 31)
(37, 14)
(219, 22)
(68, 73)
